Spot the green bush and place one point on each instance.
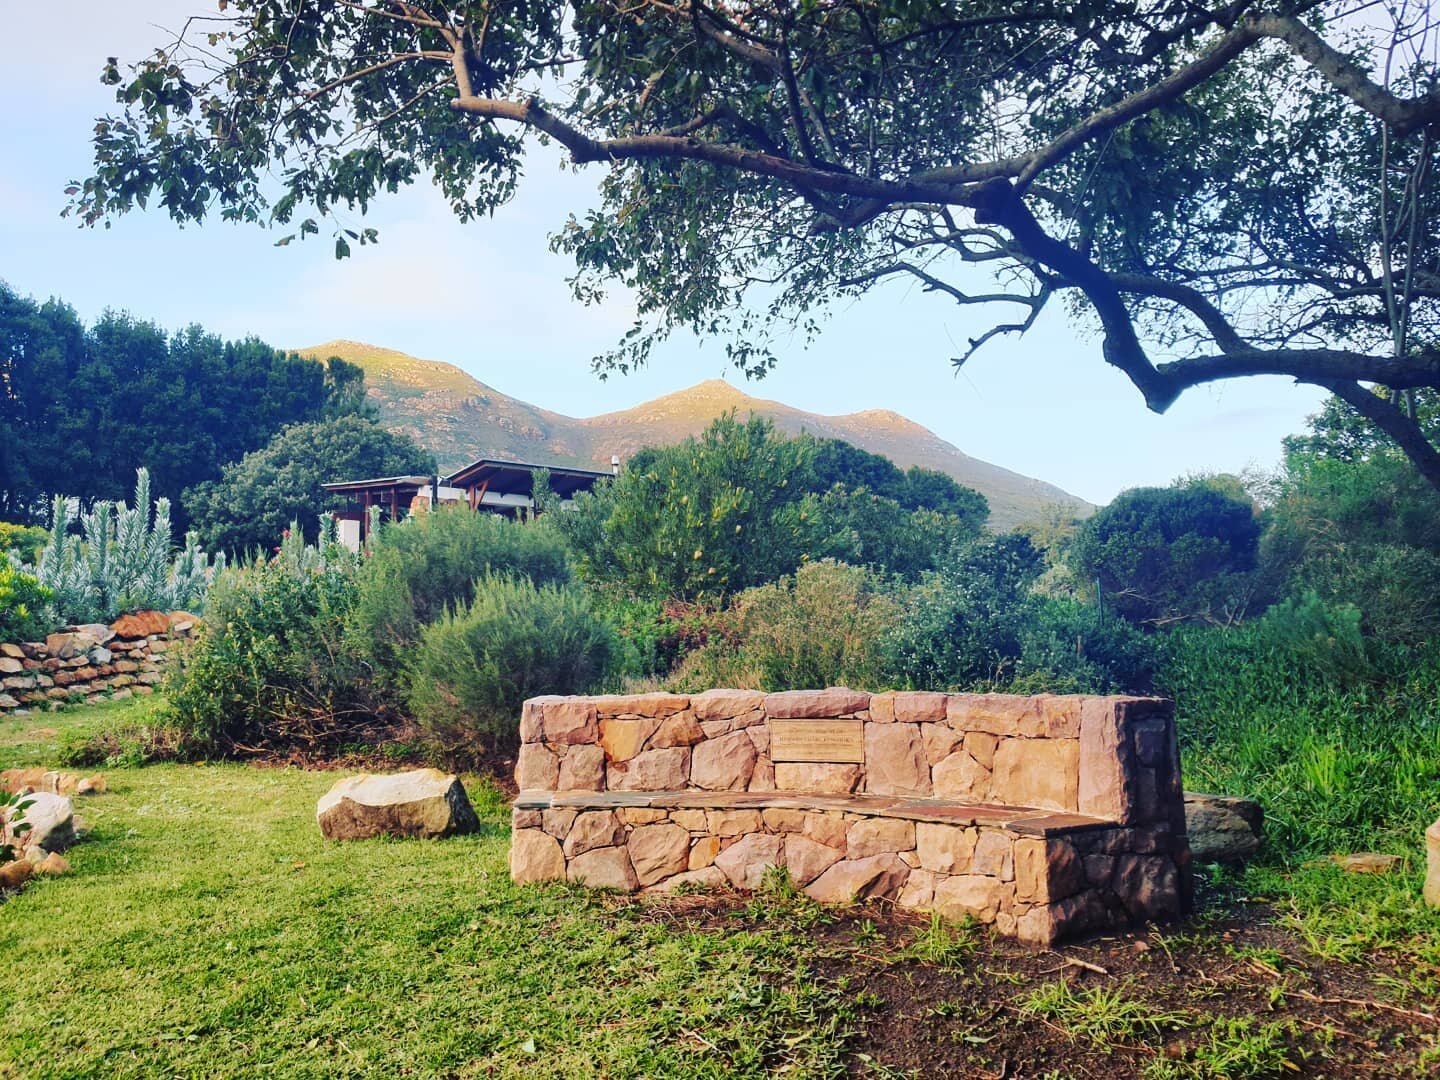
(978, 624)
(821, 627)
(271, 669)
(1163, 555)
(27, 540)
(419, 568)
(475, 666)
(25, 611)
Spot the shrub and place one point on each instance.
(475, 666)
(420, 567)
(864, 529)
(1163, 555)
(821, 627)
(270, 669)
(715, 514)
(26, 540)
(25, 612)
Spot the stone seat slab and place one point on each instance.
(1029, 820)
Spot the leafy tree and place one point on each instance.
(1162, 555)
(927, 489)
(864, 529)
(836, 461)
(717, 513)
(86, 407)
(1127, 157)
(257, 497)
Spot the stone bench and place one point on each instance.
(1044, 816)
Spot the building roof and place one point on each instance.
(342, 486)
(517, 477)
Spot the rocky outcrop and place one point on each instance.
(423, 803)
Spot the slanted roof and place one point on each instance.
(517, 477)
(383, 483)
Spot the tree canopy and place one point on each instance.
(257, 497)
(82, 408)
(1221, 189)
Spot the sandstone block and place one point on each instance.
(919, 706)
(526, 819)
(141, 624)
(806, 860)
(1046, 871)
(959, 776)
(879, 877)
(567, 723)
(945, 849)
(557, 821)
(582, 769)
(1223, 829)
(530, 727)
(941, 740)
(680, 729)
(745, 861)
(593, 829)
(832, 702)
(817, 777)
(703, 852)
(53, 864)
(726, 704)
(882, 708)
(652, 770)
(895, 760)
(535, 856)
(658, 851)
(827, 829)
(919, 891)
(16, 873)
(641, 815)
(9, 666)
(784, 821)
(874, 836)
(994, 855)
(723, 764)
(537, 768)
(970, 894)
(422, 802)
(622, 739)
(1037, 772)
(650, 705)
(732, 822)
(603, 868)
(1148, 886)
(694, 820)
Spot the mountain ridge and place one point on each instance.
(460, 419)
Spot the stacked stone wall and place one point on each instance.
(1044, 815)
(94, 662)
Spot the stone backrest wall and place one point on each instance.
(1107, 757)
(92, 663)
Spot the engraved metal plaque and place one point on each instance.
(818, 740)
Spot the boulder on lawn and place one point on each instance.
(52, 822)
(1221, 828)
(424, 802)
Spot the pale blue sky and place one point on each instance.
(490, 298)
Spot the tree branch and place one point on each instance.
(1391, 420)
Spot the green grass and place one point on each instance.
(208, 930)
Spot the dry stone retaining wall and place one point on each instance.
(93, 662)
(1042, 815)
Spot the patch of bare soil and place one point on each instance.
(1234, 995)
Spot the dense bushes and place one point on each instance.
(476, 665)
(24, 604)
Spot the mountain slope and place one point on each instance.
(462, 419)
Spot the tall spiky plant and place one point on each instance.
(122, 560)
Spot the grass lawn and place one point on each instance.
(208, 930)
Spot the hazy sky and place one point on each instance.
(490, 298)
